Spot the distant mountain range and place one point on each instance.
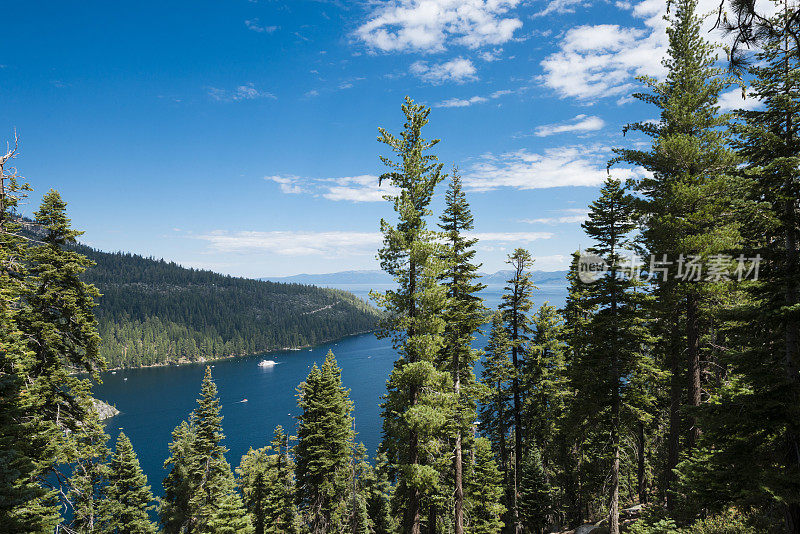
(375, 277)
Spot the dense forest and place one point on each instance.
(154, 312)
(664, 398)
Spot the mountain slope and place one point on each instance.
(154, 312)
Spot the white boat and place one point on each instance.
(266, 363)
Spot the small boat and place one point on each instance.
(113, 372)
(126, 378)
(244, 400)
(266, 363)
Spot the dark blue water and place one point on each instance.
(154, 401)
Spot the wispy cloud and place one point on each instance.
(430, 25)
(329, 243)
(242, 92)
(257, 27)
(554, 167)
(465, 102)
(571, 216)
(458, 70)
(362, 188)
(578, 124)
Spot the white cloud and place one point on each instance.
(597, 61)
(555, 167)
(579, 123)
(461, 102)
(575, 216)
(732, 100)
(331, 244)
(242, 92)
(509, 237)
(458, 70)
(464, 102)
(288, 184)
(429, 25)
(363, 188)
(256, 26)
(491, 55)
(561, 6)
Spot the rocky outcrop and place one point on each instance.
(104, 410)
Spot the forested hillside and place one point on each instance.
(153, 311)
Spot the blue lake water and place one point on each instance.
(154, 401)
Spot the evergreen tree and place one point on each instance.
(687, 210)
(174, 510)
(128, 497)
(324, 441)
(267, 485)
(464, 314)
(209, 472)
(61, 332)
(484, 491)
(750, 446)
(25, 506)
(534, 493)
(412, 415)
(229, 516)
(496, 407)
(516, 305)
(378, 489)
(200, 479)
(619, 333)
(86, 487)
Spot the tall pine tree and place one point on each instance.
(412, 418)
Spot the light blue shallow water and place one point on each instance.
(153, 401)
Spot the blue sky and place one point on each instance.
(240, 135)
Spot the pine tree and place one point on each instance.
(61, 332)
(86, 487)
(128, 497)
(484, 491)
(209, 472)
(534, 492)
(412, 418)
(379, 492)
(464, 314)
(496, 407)
(200, 478)
(616, 351)
(687, 207)
(25, 506)
(516, 305)
(324, 441)
(174, 510)
(267, 485)
(751, 423)
(229, 516)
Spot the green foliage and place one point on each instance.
(200, 479)
(324, 443)
(535, 493)
(127, 496)
(414, 408)
(484, 491)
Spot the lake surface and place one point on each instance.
(154, 401)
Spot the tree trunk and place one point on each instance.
(640, 481)
(693, 364)
(457, 461)
(673, 439)
(517, 411)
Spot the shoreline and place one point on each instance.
(172, 363)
